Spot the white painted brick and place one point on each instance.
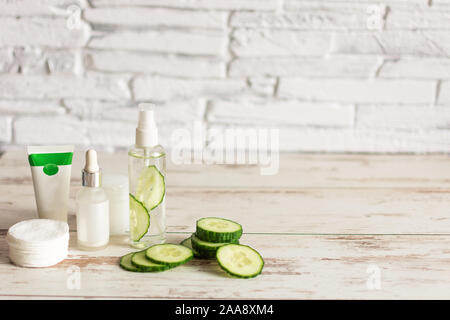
(292, 139)
(171, 41)
(416, 68)
(167, 65)
(29, 60)
(117, 133)
(134, 16)
(264, 42)
(30, 107)
(262, 86)
(41, 32)
(330, 140)
(444, 93)
(428, 43)
(417, 17)
(273, 113)
(34, 60)
(49, 130)
(94, 109)
(310, 16)
(64, 62)
(37, 7)
(5, 129)
(48, 87)
(403, 117)
(175, 112)
(6, 60)
(358, 43)
(155, 88)
(347, 140)
(295, 5)
(369, 91)
(195, 4)
(328, 67)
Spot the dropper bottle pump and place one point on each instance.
(92, 207)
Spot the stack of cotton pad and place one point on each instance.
(38, 242)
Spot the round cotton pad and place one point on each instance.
(38, 242)
(38, 231)
(24, 261)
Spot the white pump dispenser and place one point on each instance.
(146, 131)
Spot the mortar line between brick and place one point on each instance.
(437, 92)
(378, 68)
(13, 136)
(230, 55)
(276, 86)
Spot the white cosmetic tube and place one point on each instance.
(50, 168)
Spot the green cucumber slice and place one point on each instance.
(125, 263)
(151, 187)
(139, 219)
(188, 243)
(169, 254)
(207, 249)
(218, 230)
(144, 265)
(240, 261)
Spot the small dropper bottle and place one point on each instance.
(92, 207)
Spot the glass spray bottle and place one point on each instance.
(146, 172)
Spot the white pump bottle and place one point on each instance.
(146, 173)
(92, 207)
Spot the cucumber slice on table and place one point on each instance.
(218, 230)
(188, 243)
(240, 261)
(151, 187)
(139, 219)
(125, 263)
(207, 249)
(171, 255)
(144, 265)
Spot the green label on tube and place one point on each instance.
(50, 161)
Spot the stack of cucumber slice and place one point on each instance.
(159, 257)
(214, 238)
(219, 238)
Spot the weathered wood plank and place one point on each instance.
(322, 267)
(296, 171)
(367, 211)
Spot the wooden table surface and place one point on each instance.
(326, 225)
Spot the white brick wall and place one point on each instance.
(328, 74)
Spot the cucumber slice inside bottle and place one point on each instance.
(151, 187)
(218, 230)
(139, 219)
(240, 261)
(171, 255)
(125, 263)
(140, 261)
